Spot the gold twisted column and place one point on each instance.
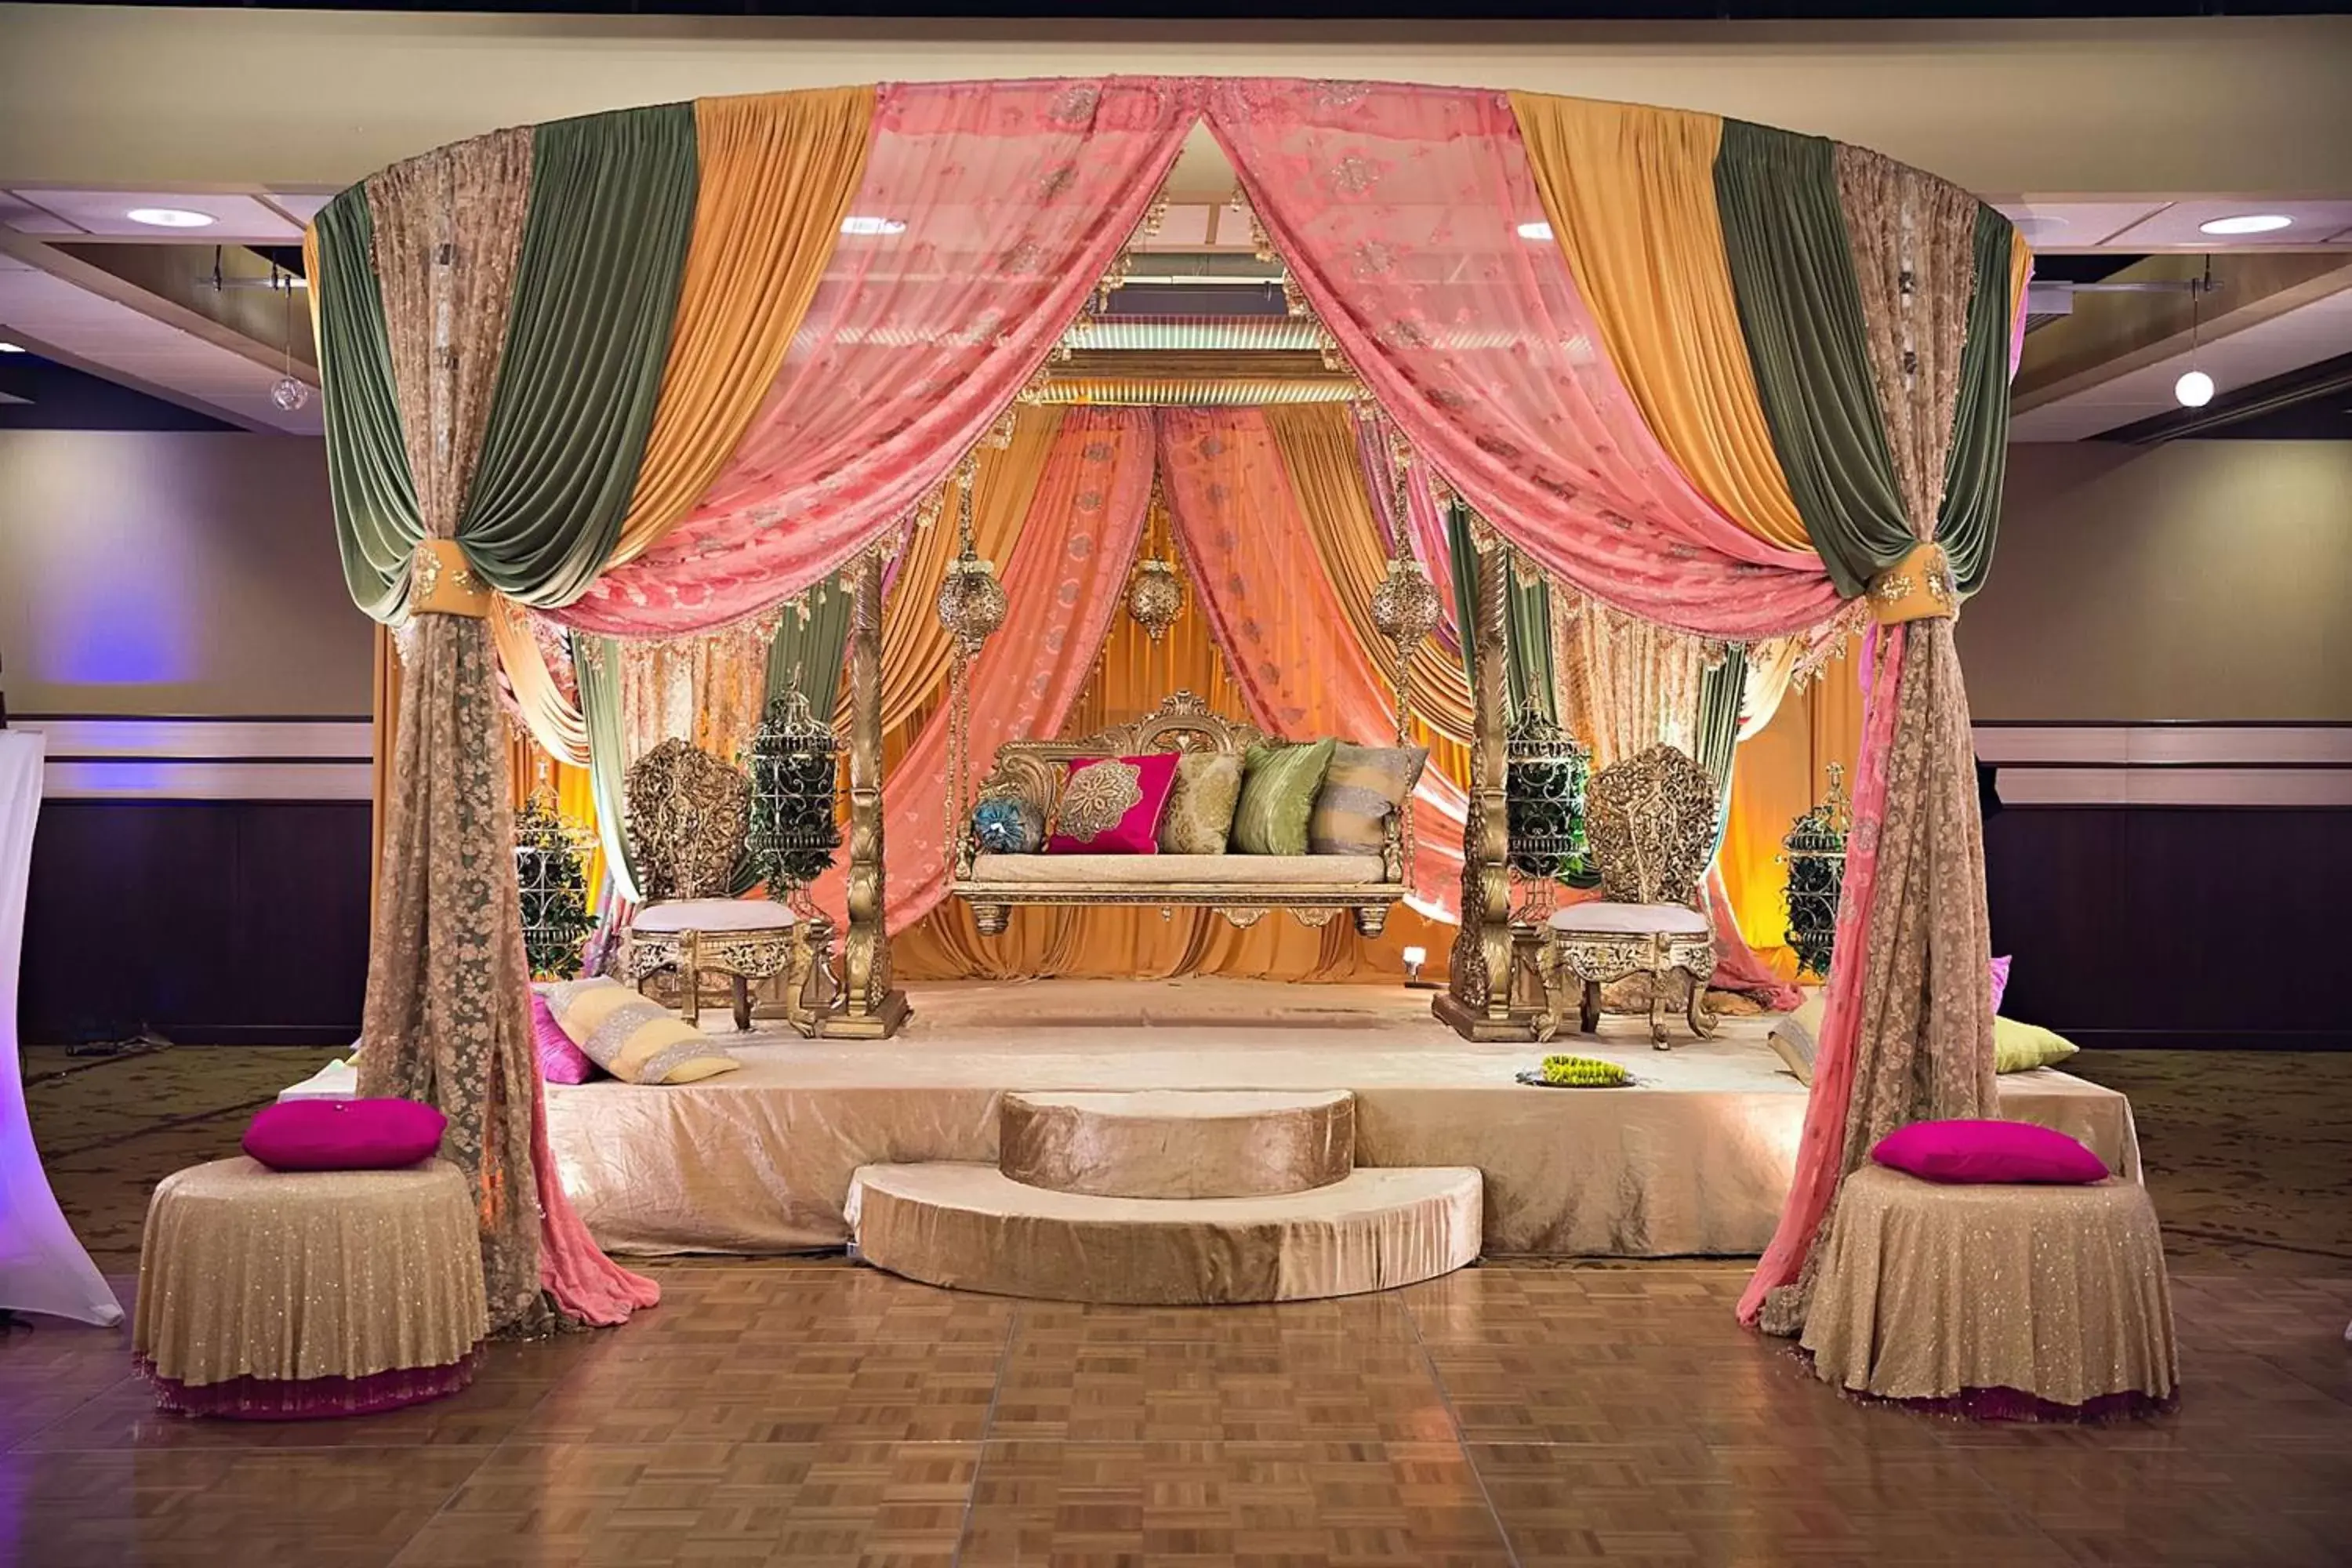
(870, 1009)
(1477, 999)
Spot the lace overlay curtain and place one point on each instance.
(989, 211)
(445, 1017)
(1398, 210)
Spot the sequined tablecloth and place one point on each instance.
(247, 1273)
(1935, 1293)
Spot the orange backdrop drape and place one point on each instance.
(1780, 771)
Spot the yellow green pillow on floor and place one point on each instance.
(635, 1040)
(2022, 1047)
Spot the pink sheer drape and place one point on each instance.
(1820, 1149)
(1737, 966)
(988, 211)
(573, 1269)
(1064, 583)
(1262, 588)
(1398, 210)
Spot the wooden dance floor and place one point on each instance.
(1694, 1159)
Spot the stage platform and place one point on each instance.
(1694, 1159)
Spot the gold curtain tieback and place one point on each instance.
(1917, 588)
(442, 581)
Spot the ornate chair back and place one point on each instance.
(1652, 826)
(690, 815)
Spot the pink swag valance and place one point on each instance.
(988, 211)
(1398, 209)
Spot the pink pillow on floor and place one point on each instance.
(559, 1060)
(1999, 981)
(344, 1135)
(1988, 1152)
(1112, 806)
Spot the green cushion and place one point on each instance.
(2020, 1047)
(1200, 815)
(1363, 788)
(1278, 788)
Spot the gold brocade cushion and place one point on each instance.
(635, 1040)
(2022, 1047)
(1200, 815)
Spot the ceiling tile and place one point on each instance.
(2176, 227)
(2074, 226)
(238, 219)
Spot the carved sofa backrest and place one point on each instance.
(1653, 827)
(688, 817)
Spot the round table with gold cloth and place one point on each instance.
(275, 1295)
(2046, 1302)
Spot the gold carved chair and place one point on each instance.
(690, 815)
(1651, 827)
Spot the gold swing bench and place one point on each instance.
(1242, 888)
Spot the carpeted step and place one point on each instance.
(1178, 1143)
(972, 1227)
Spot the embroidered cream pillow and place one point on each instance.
(635, 1040)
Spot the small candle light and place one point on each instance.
(1414, 957)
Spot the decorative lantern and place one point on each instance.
(1156, 597)
(552, 868)
(1544, 777)
(1816, 862)
(1405, 607)
(972, 602)
(795, 822)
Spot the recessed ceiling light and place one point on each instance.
(12, 347)
(2247, 223)
(857, 225)
(1536, 230)
(170, 217)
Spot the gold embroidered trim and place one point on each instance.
(442, 581)
(1917, 588)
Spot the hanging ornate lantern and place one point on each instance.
(1156, 597)
(1405, 607)
(1545, 772)
(972, 602)
(1816, 862)
(795, 783)
(552, 870)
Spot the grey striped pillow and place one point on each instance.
(1364, 787)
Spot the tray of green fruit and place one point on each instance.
(1577, 1072)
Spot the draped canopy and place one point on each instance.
(655, 373)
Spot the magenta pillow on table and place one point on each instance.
(560, 1061)
(344, 1135)
(1999, 981)
(1112, 806)
(1988, 1152)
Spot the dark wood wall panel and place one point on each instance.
(221, 922)
(2211, 927)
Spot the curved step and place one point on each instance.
(973, 1228)
(1178, 1143)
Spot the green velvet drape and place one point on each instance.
(810, 648)
(596, 285)
(1716, 736)
(1529, 676)
(1978, 458)
(1793, 276)
(376, 521)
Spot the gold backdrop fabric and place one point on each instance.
(1926, 1292)
(249, 1272)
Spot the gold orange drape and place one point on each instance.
(1130, 679)
(1320, 452)
(916, 649)
(777, 175)
(1630, 192)
(1783, 769)
(554, 720)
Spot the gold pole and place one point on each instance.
(1477, 999)
(872, 1009)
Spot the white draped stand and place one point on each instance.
(42, 1268)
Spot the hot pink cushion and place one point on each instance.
(1140, 785)
(560, 1060)
(1984, 1152)
(344, 1135)
(1999, 981)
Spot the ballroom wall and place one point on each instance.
(172, 615)
(2161, 667)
